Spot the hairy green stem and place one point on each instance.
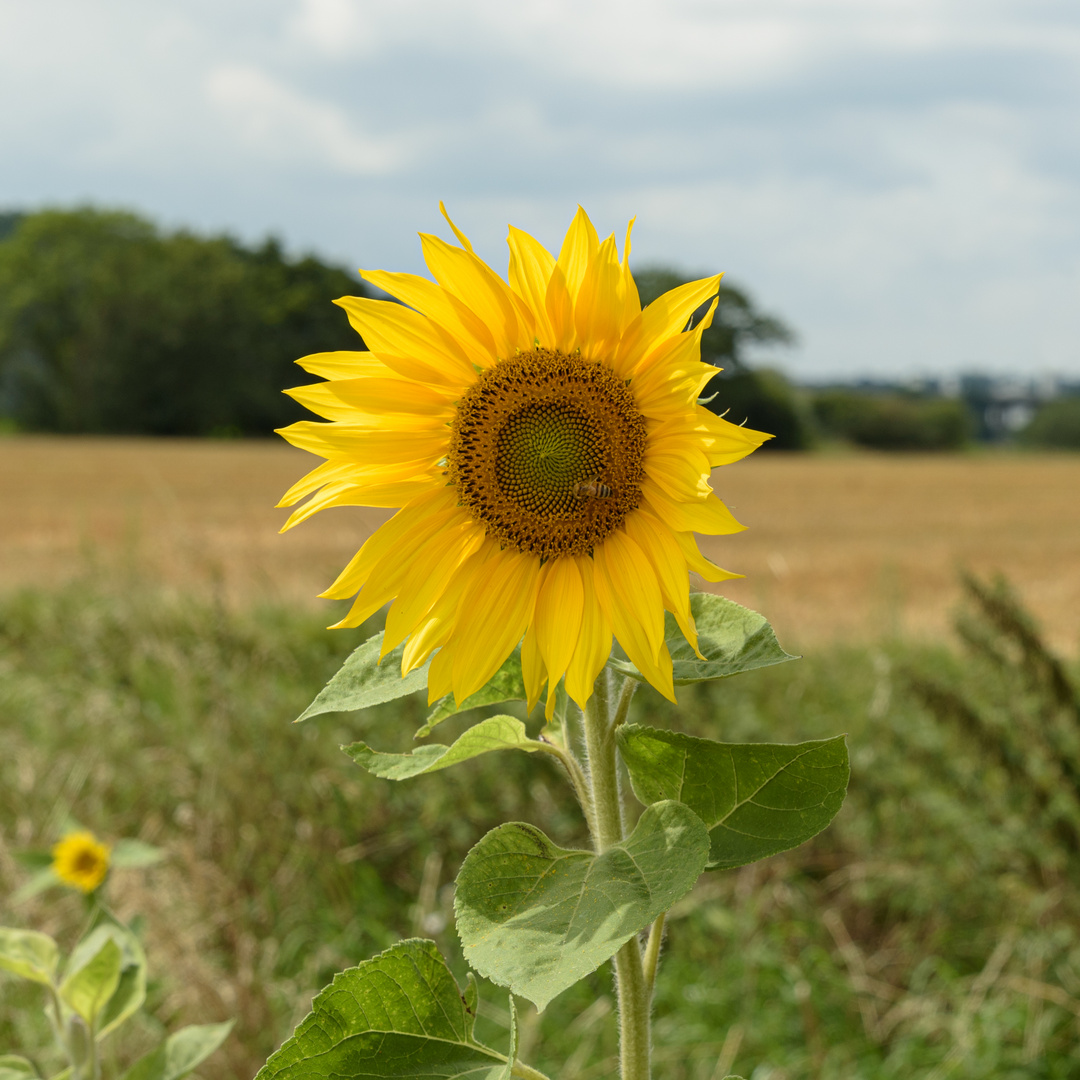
(577, 778)
(652, 953)
(526, 1072)
(600, 724)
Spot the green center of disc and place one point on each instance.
(543, 452)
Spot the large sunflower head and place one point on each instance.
(543, 441)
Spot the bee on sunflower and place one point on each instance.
(542, 441)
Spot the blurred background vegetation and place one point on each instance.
(110, 325)
(933, 930)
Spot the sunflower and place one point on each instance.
(81, 860)
(542, 441)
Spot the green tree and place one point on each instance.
(108, 325)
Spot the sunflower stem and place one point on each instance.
(579, 781)
(634, 998)
(652, 952)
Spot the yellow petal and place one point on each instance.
(407, 342)
(560, 599)
(533, 672)
(422, 517)
(440, 680)
(530, 270)
(447, 310)
(438, 624)
(343, 365)
(322, 401)
(629, 593)
(709, 516)
(374, 446)
(631, 299)
(665, 316)
(664, 554)
(463, 240)
(388, 495)
(698, 563)
(560, 309)
(683, 473)
(594, 641)
(665, 391)
(725, 442)
(493, 618)
(477, 286)
(598, 310)
(431, 571)
(579, 246)
(376, 397)
(329, 471)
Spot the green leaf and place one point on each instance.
(494, 733)
(731, 638)
(536, 917)
(755, 798)
(94, 974)
(506, 684)
(362, 681)
(42, 880)
(28, 953)
(130, 991)
(400, 1014)
(34, 858)
(180, 1053)
(13, 1067)
(134, 854)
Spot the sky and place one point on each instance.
(899, 180)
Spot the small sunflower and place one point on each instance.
(81, 860)
(543, 443)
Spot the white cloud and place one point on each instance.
(281, 125)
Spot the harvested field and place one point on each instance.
(837, 547)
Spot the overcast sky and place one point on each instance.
(898, 179)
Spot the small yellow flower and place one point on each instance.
(543, 443)
(81, 860)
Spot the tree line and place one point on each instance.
(109, 325)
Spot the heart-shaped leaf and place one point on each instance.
(756, 799)
(731, 638)
(494, 733)
(400, 1014)
(537, 917)
(506, 684)
(362, 681)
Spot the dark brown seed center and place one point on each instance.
(546, 452)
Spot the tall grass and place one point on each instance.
(921, 936)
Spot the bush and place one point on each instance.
(893, 422)
(1055, 426)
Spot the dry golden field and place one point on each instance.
(844, 547)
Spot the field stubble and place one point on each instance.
(838, 548)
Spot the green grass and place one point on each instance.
(930, 932)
